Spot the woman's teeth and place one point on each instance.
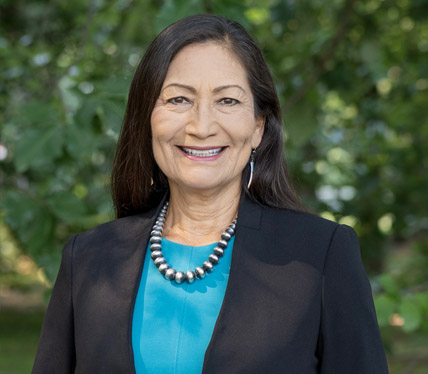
(202, 153)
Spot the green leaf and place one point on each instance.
(387, 282)
(20, 209)
(37, 147)
(385, 307)
(80, 140)
(39, 234)
(411, 314)
(67, 206)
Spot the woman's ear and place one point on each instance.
(258, 132)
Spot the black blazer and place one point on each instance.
(297, 302)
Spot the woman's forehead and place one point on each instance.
(208, 63)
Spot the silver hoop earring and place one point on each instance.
(250, 180)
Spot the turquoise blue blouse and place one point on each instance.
(173, 324)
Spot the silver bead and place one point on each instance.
(156, 232)
(156, 239)
(222, 243)
(208, 266)
(213, 259)
(159, 261)
(230, 231)
(162, 213)
(233, 226)
(219, 251)
(190, 276)
(200, 273)
(180, 277)
(170, 273)
(155, 247)
(163, 268)
(156, 254)
(157, 228)
(226, 236)
(161, 219)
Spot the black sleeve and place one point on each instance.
(56, 353)
(350, 340)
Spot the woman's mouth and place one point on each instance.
(202, 152)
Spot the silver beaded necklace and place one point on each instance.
(179, 276)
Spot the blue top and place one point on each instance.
(173, 324)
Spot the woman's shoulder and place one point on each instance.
(119, 233)
(301, 230)
(305, 222)
(257, 215)
(306, 236)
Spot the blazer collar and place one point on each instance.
(249, 213)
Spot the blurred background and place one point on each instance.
(352, 77)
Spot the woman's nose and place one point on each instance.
(202, 123)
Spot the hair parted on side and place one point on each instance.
(137, 182)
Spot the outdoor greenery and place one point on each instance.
(352, 77)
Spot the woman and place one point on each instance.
(213, 266)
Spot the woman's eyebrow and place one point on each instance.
(186, 87)
(218, 89)
(193, 90)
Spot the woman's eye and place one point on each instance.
(228, 101)
(178, 100)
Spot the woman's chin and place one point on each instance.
(202, 183)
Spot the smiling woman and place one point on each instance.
(213, 265)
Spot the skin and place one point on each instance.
(205, 103)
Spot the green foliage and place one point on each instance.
(404, 300)
(351, 77)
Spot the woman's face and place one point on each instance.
(203, 123)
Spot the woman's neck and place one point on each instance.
(199, 218)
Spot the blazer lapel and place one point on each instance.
(247, 231)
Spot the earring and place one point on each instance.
(250, 180)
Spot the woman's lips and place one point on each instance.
(202, 153)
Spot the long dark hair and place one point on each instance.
(137, 182)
